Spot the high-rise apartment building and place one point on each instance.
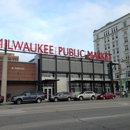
(114, 38)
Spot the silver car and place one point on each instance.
(85, 95)
(61, 96)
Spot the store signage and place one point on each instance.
(50, 49)
(18, 68)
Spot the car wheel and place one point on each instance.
(19, 101)
(104, 98)
(39, 100)
(81, 98)
(56, 99)
(113, 97)
(93, 97)
(69, 99)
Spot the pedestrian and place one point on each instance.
(123, 93)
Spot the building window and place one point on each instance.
(113, 44)
(105, 40)
(125, 32)
(126, 47)
(61, 75)
(116, 28)
(47, 74)
(86, 76)
(98, 50)
(114, 68)
(118, 58)
(112, 30)
(108, 31)
(113, 51)
(98, 76)
(124, 24)
(117, 50)
(112, 37)
(127, 73)
(105, 47)
(116, 75)
(97, 36)
(127, 64)
(75, 75)
(114, 59)
(125, 39)
(116, 43)
(108, 46)
(127, 55)
(108, 39)
(116, 36)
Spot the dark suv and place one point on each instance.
(61, 96)
(29, 96)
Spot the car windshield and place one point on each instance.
(81, 93)
(57, 94)
(22, 93)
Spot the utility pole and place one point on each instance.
(120, 71)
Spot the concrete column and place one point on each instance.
(4, 77)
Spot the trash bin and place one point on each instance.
(126, 94)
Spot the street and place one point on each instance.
(74, 115)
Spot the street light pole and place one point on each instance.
(120, 79)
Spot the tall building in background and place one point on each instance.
(114, 38)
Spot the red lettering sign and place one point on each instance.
(49, 49)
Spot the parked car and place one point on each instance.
(61, 96)
(29, 96)
(107, 95)
(1, 99)
(85, 95)
(118, 92)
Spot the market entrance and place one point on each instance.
(48, 90)
(49, 86)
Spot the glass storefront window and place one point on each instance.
(86, 76)
(47, 74)
(75, 75)
(98, 88)
(76, 87)
(61, 75)
(87, 87)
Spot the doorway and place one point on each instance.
(48, 91)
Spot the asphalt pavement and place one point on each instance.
(10, 103)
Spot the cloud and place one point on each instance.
(63, 23)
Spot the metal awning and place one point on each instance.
(50, 80)
(88, 81)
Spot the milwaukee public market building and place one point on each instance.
(66, 69)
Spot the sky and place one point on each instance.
(66, 23)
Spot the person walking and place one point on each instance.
(123, 93)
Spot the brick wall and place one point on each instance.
(19, 71)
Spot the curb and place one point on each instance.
(11, 103)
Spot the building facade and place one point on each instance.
(114, 38)
(53, 73)
(59, 73)
(21, 76)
